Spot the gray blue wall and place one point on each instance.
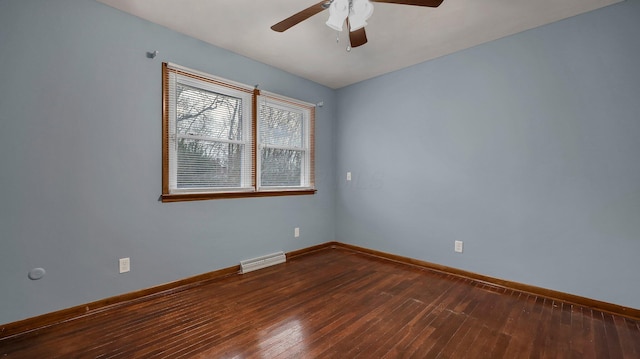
(526, 148)
(80, 159)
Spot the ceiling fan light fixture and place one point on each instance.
(338, 12)
(360, 12)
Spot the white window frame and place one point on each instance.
(291, 105)
(246, 180)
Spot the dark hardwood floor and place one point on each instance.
(336, 303)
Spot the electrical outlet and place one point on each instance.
(348, 176)
(458, 246)
(296, 232)
(125, 265)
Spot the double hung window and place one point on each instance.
(284, 155)
(223, 139)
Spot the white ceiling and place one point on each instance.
(399, 35)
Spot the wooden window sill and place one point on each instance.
(183, 197)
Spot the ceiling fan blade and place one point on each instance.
(299, 17)
(358, 37)
(429, 3)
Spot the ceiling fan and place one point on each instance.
(354, 12)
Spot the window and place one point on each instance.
(284, 159)
(223, 139)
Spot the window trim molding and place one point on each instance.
(168, 196)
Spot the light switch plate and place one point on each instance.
(125, 265)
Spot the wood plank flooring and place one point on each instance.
(336, 303)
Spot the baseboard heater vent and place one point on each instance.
(250, 265)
